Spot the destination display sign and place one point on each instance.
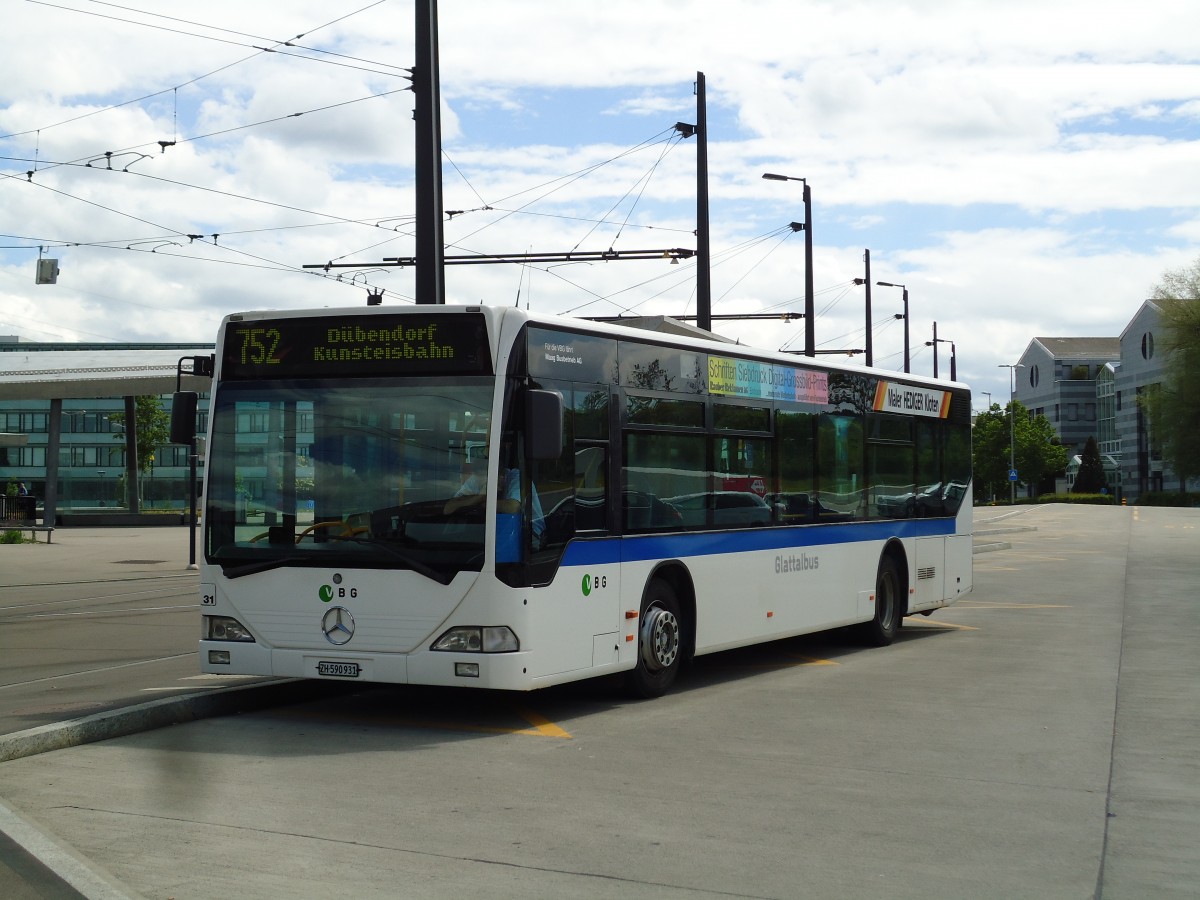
(766, 381)
(912, 401)
(341, 346)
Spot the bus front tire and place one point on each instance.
(881, 630)
(660, 643)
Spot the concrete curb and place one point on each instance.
(991, 546)
(1008, 529)
(160, 713)
(84, 876)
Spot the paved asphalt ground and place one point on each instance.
(1039, 739)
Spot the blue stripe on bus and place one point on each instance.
(707, 543)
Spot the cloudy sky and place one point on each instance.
(1025, 168)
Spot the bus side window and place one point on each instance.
(554, 481)
(840, 460)
(591, 487)
(793, 494)
(958, 466)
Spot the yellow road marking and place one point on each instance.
(968, 604)
(934, 622)
(541, 726)
(462, 726)
(551, 731)
(795, 662)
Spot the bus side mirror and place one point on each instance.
(543, 424)
(183, 417)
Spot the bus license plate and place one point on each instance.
(340, 669)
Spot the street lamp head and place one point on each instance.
(888, 284)
(771, 176)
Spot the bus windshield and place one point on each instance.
(353, 472)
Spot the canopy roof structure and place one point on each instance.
(30, 371)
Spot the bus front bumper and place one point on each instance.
(498, 671)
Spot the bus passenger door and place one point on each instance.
(600, 584)
(578, 617)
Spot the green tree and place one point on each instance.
(1174, 405)
(152, 426)
(1039, 454)
(989, 451)
(1091, 478)
(1037, 451)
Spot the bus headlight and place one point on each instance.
(223, 628)
(475, 639)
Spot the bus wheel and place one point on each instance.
(881, 630)
(660, 643)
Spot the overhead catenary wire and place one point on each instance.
(673, 278)
(684, 273)
(190, 81)
(643, 181)
(561, 181)
(156, 239)
(554, 185)
(87, 161)
(290, 43)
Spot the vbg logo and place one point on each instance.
(327, 593)
(597, 583)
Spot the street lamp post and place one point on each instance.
(810, 332)
(1012, 442)
(904, 316)
(867, 282)
(953, 356)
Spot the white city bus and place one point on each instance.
(480, 496)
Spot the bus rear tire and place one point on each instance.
(660, 643)
(881, 630)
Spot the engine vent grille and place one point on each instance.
(926, 573)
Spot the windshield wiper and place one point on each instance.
(412, 562)
(264, 565)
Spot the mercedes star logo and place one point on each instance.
(337, 625)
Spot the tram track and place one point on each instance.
(42, 604)
(91, 581)
(96, 613)
(96, 670)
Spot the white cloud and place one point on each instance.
(1026, 168)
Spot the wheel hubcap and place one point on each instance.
(660, 639)
(886, 599)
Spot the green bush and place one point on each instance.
(12, 537)
(1167, 498)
